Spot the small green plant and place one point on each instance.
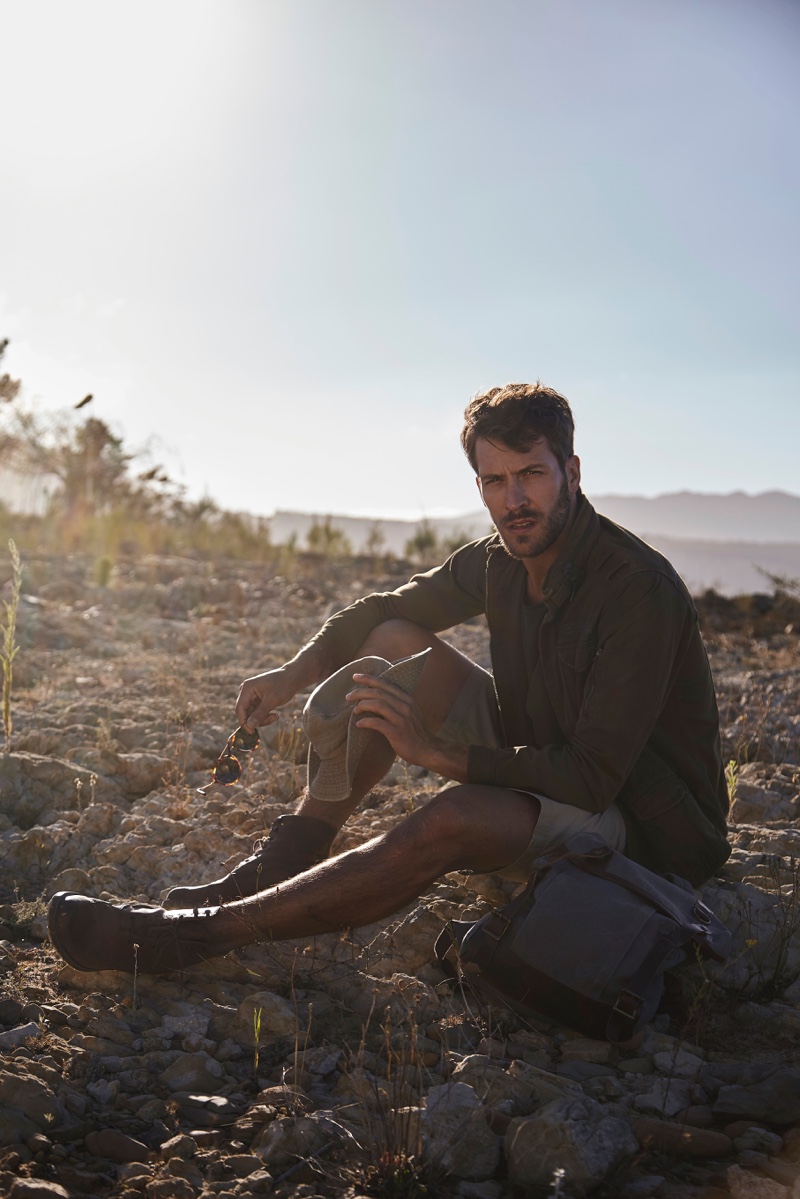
(256, 1038)
(732, 778)
(9, 647)
(102, 570)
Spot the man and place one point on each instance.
(600, 715)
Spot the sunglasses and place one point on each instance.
(228, 768)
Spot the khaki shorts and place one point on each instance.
(474, 720)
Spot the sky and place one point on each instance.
(282, 242)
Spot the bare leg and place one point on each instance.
(465, 827)
(445, 673)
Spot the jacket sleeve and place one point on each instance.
(643, 636)
(436, 600)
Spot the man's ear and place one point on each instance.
(572, 469)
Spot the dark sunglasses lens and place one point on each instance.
(245, 740)
(227, 771)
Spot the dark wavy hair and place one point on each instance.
(518, 415)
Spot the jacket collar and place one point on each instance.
(569, 570)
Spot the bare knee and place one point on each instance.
(449, 818)
(394, 639)
(470, 826)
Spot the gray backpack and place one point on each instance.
(588, 940)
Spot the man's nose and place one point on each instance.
(515, 494)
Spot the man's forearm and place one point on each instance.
(309, 666)
(447, 758)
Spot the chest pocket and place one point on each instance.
(577, 648)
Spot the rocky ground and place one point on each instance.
(344, 1064)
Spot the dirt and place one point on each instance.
(122, 699)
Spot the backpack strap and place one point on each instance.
(627, 1005)
(449, 938)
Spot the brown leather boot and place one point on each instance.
(294, 844)
(91, 934)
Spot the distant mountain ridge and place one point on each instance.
(769, 516)
(722, 541)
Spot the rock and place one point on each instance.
(498, 1089)
(36, 1188)
(699, 1115)
(192, 1072)
(665, 1096)
(170, 1188)
(776, 1100)
(116, 1146)
(455, 1134)
(21, 1091)
(577, 1135)
(744, 1185)
(762, 1140)
(288, 1138)
(680, 1064)
(18, 1036)
(243, 1164)
(104, 1091)
(637, 1065)
(583, 1071)
(584, 1049)
(681, 1138)
(15, 1128)
(179, 1146)
(278, 1017)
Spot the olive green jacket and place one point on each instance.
(626, 673)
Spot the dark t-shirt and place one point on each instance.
(544, 726)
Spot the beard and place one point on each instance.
(530, 543)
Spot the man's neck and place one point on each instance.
(537, 568)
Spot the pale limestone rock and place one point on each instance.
(745, 1185)
(455, 1134)
(583, 1138)
(19, 1035)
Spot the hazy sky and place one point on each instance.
(292, 237)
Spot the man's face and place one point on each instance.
(529, 497)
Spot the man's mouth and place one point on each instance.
(520, 522)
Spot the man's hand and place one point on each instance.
(387, 709)
(261, 694)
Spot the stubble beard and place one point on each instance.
(530, 543)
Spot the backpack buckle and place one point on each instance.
(497, 925)
(627, 1004)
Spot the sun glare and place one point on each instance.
(94, 90)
